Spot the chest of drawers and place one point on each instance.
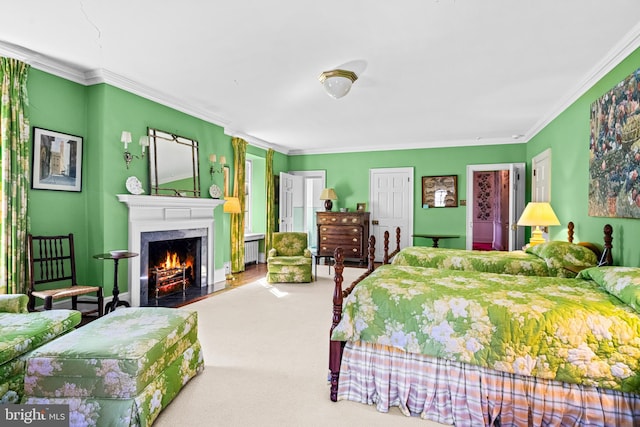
(349, 230)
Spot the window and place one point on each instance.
(248, 176)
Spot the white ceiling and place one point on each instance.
(436, 72)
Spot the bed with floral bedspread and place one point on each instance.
(546, 259)
(466, 347)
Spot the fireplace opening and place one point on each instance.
(172, 266)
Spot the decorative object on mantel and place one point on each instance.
(328, 195)
(215, 192)
(134, 186)
(614, 163)
(125, 138)
(216, 167)
(538, 214)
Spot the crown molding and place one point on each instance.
(43, 62)
(76, 74)
(257, 142)
(105, 76)
(416, 146)
(616, 55)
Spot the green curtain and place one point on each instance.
(237, 220)
(271, 207)
(14, 138)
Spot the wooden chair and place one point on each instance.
(52, 260)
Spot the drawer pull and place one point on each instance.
(324, 238)
(355, 230)
(354, 220)
(334, 219)
(354, 250)
(355, 240)
(344, 219)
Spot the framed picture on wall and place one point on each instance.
(440, 191)
(56, 161)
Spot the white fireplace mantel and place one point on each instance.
(158, 213)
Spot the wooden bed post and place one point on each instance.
(385, 259)
(607, 257)
(571, 227)
(335, 347)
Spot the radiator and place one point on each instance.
(251, 251)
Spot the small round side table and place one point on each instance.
(115, 256)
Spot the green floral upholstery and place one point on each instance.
(121, 369)
(21, 332)
(289, 259)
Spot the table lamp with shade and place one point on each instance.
(328, 195)
(538, 214)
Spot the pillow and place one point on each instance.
(14, 303)
(622, 282)
(564, 253)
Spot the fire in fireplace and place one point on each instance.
(172, 266)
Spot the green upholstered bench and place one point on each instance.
(21, 332)
(121, 369)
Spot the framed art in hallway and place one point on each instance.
(57, 161)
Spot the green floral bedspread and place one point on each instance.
(569, 330)
(547, 259)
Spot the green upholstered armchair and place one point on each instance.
(289, 259)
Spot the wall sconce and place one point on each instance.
(125, 138)
(216, 167)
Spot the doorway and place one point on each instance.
(495, 200)
(391, 200)
(300, 200)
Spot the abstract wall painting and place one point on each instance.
(614, 162)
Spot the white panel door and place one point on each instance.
(541, 177)
(391, 206)
(287, 188)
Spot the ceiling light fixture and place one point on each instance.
(337, 82)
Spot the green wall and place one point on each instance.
(60, 105)
(349, 175)
(568, 138)
(100, 113)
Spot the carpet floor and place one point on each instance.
(266, 362)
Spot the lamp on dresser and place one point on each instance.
(328, 195)
(538, 214)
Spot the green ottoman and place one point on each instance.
(119, 370)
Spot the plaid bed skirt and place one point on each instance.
(466, 395)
